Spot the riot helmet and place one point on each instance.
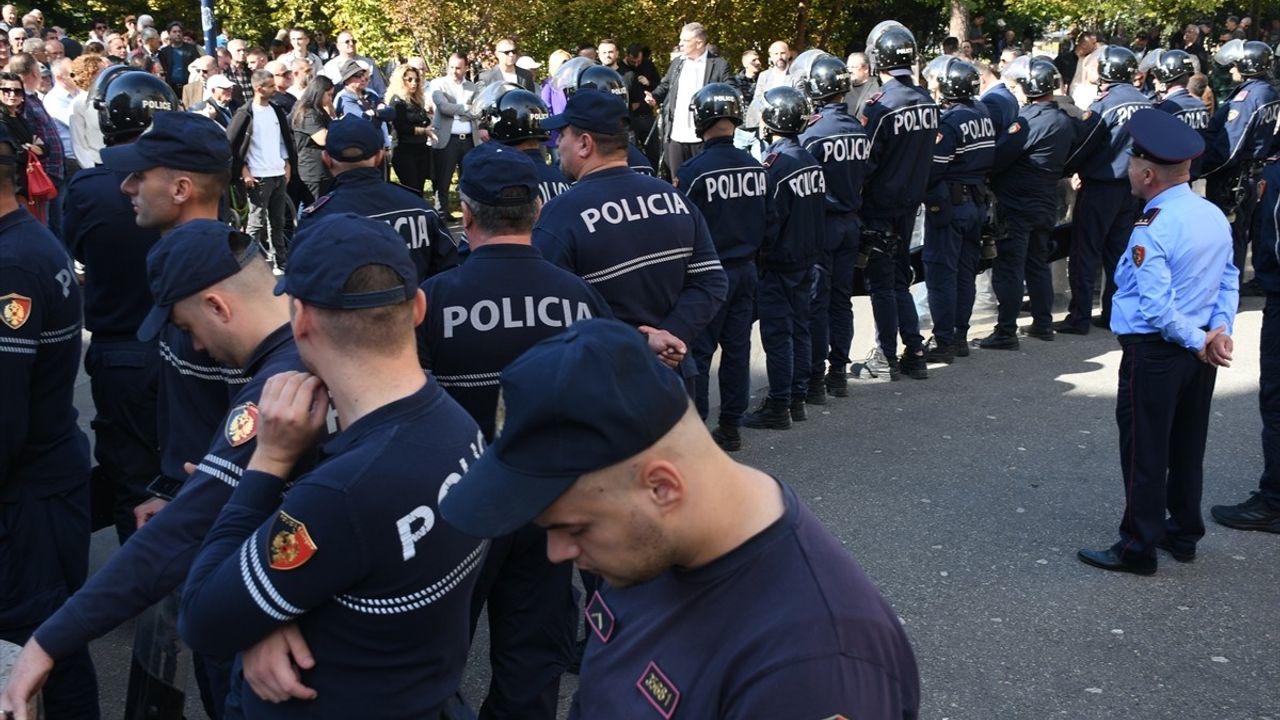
(1117, 65)
(126, 98)
(891, 46)
(604, 79)
(715, 102)
(786, 110)
(1255, 59)
(1173, 65)
(798, 71)
(828, 77)
(1042, 78)
(959, 80)
(513, 115)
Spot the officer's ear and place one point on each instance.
(662, 483)
(213, 304)
(181, 188)
(419, 307)
(467, 216)
(328, 161)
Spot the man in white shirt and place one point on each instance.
(692, 69)
(347, 51)
(300, 41)
(452, 95)
(263, 158)
(57, 102)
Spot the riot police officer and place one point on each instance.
(513, 116)
(792, 244)
(1172, 72)
(99, 230)
(731, 189)
(1104, 209)
(353, 152)
(956, 206)
(840, 145)
(585, 74)
(902, 122)
(1240, 136)
(1028, 163)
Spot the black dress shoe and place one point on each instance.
(1071, 328)
(1040, 333)
(1102, 321)
(1181, 556)
(999, 341)
(1109, 560)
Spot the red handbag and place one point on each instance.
(39, 185)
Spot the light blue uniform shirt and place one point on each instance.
(1176, 277)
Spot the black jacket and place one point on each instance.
(717, 71)
(240, 131)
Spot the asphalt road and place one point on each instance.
(966, 496)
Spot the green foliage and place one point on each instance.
(1112, 12)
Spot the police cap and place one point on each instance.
(191, 257)
(1162, 138)
(352, 139)
(327, 251)
(493, 174)
(592, 111)
(565, 416)
(177, 140)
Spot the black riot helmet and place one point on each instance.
(1230, 53)
(828, 77)
(1117, 65)
(958, 80)
(1173, 65)
(891, 46)
(604, 79)
(786, 110)
(715, 102)
(1042, 78)
(514, 116)
(1255, 59)
(126, 98)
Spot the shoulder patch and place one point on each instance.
(768, 161)
(813, 119)
(658, 689)
(242, 424)
(1147, 218)
(319, 203)
(1232, 114)
(291, 544)
(875, 98)
(1013, 129)
(14, 310)
(1139, 254)
(1240, 96)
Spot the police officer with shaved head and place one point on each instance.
(480, 317)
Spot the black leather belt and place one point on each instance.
(1139, 338)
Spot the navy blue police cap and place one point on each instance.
(577, 402)
(352, 139)
(178, 140)
(1162, 138)
(591, 110)
(327, 251)
(494, 174)
(191, 257)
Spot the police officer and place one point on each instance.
(44, 456)
(99, 230)
(731, 189)
(840, 145)
(996, 96)
(634, 238)
(793, 242)
(514, 118)
(1104, 209)
(1172, 72)
(353, 152)
(902, 122)
(588, 75)
(1029, 161)
(746, 625)
(1240, 136)
(956, 206)
(480, 317)
(1175, 306)
(353, 560)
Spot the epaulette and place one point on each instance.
(768, 162)
(1147, 218)
(813, 119)
(875, 98)
(319, 203)
(1240, 96)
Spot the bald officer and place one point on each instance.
(1173, 312)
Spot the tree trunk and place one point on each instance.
(959, 24)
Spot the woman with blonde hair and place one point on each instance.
(86, 136)
(411, 156)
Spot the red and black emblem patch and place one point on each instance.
(291, 544)
(242, 424)
(14, 310)
(658, 689)
(1139, 254)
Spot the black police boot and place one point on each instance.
(1252, 514)
(728, 438)
(837, 383)
(1072, 327)
(1040, 333)
(895, 369)
(913, 365)
(940, 352)
(999, 341)
(797, 410)
(962, 346)
(771, 415)
(817, 394)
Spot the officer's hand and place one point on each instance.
(291, 416)
(669, 348)
(25, 680)
(650, 99)
(1218, 351)
(1203, 353)
(148, 510)
(271, 666)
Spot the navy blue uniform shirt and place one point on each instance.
(902, 122)
(637, 161)
(1032, 156)
(484, 314)
(357, 557)
(156, 559)
(42, 449)
(363, 191)
(1243, 128)
(551, 182)
(786, 625)
(966, 145)
(1266, 249)
(1186, 107)
(840, 145)
(1108, 160)
(641, 245)
(795, 231)
(195, 392)
(731, 189)
(1001, 105)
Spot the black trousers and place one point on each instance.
(1162, 413)
(678, 153)
(412, 163)
(1104, 217)
(1269, 400)
(448, 159)
(1023, 257)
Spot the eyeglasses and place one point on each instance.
(99, 27)
(10, 91)
(349, 41)
(512, 51)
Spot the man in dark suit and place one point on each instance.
(506, 70)
(692, 69)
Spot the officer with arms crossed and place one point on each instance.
(480, 317)
(234, 320)
(1029, 162)
(725, 596)
(354, 555)
(902, 122)
(731, 190)
(513, 116)
(956, 206)
(44, 456)
(353, 152)
(1175, 306)
(840, 145)
(793, 242)
(635, 239)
